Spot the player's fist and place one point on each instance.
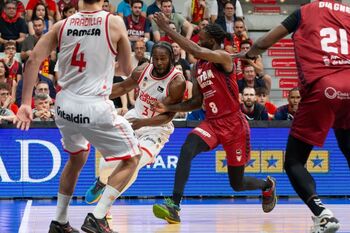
(159, 107)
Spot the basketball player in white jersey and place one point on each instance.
(158, 81)
(88, 42)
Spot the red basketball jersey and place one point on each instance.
(322, 40)
(219, 89)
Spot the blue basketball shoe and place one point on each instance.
(94, 193)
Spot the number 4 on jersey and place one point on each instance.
(75, 62)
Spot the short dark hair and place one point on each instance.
(39, 19)
(228, 2)
(248, 41)
(261, 91)
(5, 86)
(91, 1)
(161, 1)
(136, 1)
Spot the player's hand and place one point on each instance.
(159, 107)
(123, 111)
(24, 117)
(136, 123)
(162, 21)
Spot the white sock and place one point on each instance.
(62, 208)
(107, 199)
(326, 212)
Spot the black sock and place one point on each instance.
(177, 198)
(315, 205)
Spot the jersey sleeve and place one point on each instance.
(291, 23)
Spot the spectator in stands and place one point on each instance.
(7, 102)
(196, 10)
(201, 25)
(256, 63)
(251, 109)
(30, 42)
(62, 4)
(240, 34)
(227, 20)
(155, 7)
(166, 38)
(4, 78)
(262, 97)
(42, 87)
(68, 11)
(53, 11)
(12, 26)
(236, 3)
(106, 6)
(138, 26)
(286, 112)
(182, 25)
(40, 11)
(42, 110)
(139, 53)
(20, 11)
(7, 109)
(184, 63)
(124, 8)
(14, 66)
(250, 79)
(40, 78)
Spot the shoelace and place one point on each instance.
(99, 185)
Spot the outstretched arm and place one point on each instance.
(266, 41)
(127, 85)
(215, 56)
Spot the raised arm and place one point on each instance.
(215, 56)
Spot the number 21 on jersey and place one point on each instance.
(331, 36)
(78, 58)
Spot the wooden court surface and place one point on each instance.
(249, 218)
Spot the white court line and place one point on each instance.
(24, 223)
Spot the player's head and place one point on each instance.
(162, 57)
(212, 36)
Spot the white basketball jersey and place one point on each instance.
(152, 89)
(86, 58)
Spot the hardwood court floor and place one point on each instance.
(208, 218)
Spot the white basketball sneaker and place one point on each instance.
(325, 223)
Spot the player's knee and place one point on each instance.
(187, 151)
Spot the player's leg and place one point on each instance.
(114, 143)
(240, 183)
(193, 145)
(78, 147)
(343, 138)
(297, 153)
(237, 148)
